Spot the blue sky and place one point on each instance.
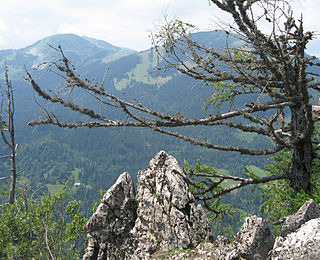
(124, 23)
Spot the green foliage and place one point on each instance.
(227, 222)
(48, 227)
(224, 217)
(227, 91)
(222, 92)
(169, 34)
(3, 125)
(280, 199)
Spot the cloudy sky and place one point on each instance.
(125, 23)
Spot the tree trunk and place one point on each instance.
(302, 150)
(13, 176)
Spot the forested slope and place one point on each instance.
(95, 157)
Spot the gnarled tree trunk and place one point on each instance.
(302, 149)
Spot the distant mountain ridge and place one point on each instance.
(80, 50)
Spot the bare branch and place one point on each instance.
(47, 239)
(242, 183)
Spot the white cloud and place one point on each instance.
(3, 26)
(2, 40)
(125, 22)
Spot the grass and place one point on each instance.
(257, 171)
(54, 188)
(116, 56)
(75, 174)
(141, 73)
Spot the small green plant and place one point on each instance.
(96, 204)
(47, 227)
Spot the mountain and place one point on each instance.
(96, 157)
(106, 45)
(80, 50)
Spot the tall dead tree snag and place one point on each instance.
(8, 132)
(269, 68)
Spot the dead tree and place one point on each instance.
(8, 133)
(270, 68)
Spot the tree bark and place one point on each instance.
(302, 150)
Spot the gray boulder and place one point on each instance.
(253, 242)
(108, 229)
(300, 235)
(309, 210)
(304, 244)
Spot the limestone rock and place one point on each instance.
(109, 226)
(162, 216)
(308, 211)
(167, 215)
(254, 241)
(300, 235)
(304, 244)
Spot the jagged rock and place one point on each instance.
(304, 244)
(309, 210)
(227, 252)
(110, 225)
(300, 235)
(163, 215)
(253, 242)
(168, 216)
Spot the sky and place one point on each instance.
(124, 23)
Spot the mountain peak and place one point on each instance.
(68, 42)
(79, 50)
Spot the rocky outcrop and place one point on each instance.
(168, 216)
(299, 239)
(162, 216)
(310, 210)
(300, 235)
(304, 244)
(253, 242)
(108, 229)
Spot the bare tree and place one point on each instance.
(270, 68)
(8, 133)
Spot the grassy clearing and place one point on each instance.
(257, 171)
(54, 188)
(142, 72)
(75, 174)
